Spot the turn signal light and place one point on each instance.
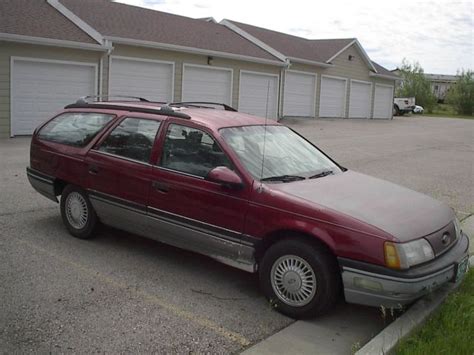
(392, 259)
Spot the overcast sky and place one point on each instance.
(437, 34)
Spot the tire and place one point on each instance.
(315, 262)
(77, 212)
(396, 110)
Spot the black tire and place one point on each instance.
(396, 110)
(326, 272)
(87, 226)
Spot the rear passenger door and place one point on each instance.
(119, 172)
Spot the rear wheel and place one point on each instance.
(300, 279)
(77, 212)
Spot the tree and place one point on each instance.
(415, 84)
(461, 94)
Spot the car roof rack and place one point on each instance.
(164, 110)
(100, 97)
(202, 104)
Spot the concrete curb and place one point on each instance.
(417, 314)
(413, 318)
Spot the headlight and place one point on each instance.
(405, 255)
(457, 227)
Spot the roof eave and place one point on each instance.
(384, 76)
(178, 48)
(9, 37)
(310, 62)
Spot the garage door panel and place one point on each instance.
(360, 98)
(259, 94)
(332, 98)
(206, 84)
(383, 102)
(152, 80)
(40, 89)
(299, 94)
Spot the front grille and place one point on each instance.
(442, 240)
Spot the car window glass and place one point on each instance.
(286, 153)
(191, 151)
(74, 128)
(133, 138)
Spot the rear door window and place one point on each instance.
(74, 128)
(133, 138)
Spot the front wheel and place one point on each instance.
(396, 110)
(300, 279)
(77, 212)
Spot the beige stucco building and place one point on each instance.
(54, 51)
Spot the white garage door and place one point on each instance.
(383, 101)
(209, 84)
(42, 88)
(299, 94)
(359, 101)
(333, 97)
(258, 94)
(143, 78)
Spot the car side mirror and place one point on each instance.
(226, 177)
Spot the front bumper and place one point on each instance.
(377, 286)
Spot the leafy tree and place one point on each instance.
(461, 94)
(414, 83)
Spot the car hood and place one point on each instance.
(401, 212)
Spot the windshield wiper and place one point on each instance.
(321, 174)
(284, 178)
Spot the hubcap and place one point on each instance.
(76, 210)
(293, 280)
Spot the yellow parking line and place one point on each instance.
(233, 336)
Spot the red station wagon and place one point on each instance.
(251, 194)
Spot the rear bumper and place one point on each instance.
(372, 286)
(42, 183)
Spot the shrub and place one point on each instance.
(461, 94)
(414, 83)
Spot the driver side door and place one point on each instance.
(197, 214)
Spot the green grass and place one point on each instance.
(450, 330)
(445, 110)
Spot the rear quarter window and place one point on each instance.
(74, 128)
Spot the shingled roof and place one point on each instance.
(319, 50)
(36, 18)
(117, 20)
(383, 71)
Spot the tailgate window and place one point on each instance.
(74, 128)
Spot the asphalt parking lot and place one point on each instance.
(123, 293)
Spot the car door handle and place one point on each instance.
(160, 186)
(93, 169)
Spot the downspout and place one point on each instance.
(110, 49)
(280, 88)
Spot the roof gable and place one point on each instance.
(361, 50)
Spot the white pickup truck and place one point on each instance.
(402, 105)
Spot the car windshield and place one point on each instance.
(287, 155)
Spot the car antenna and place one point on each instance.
(260, 188)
